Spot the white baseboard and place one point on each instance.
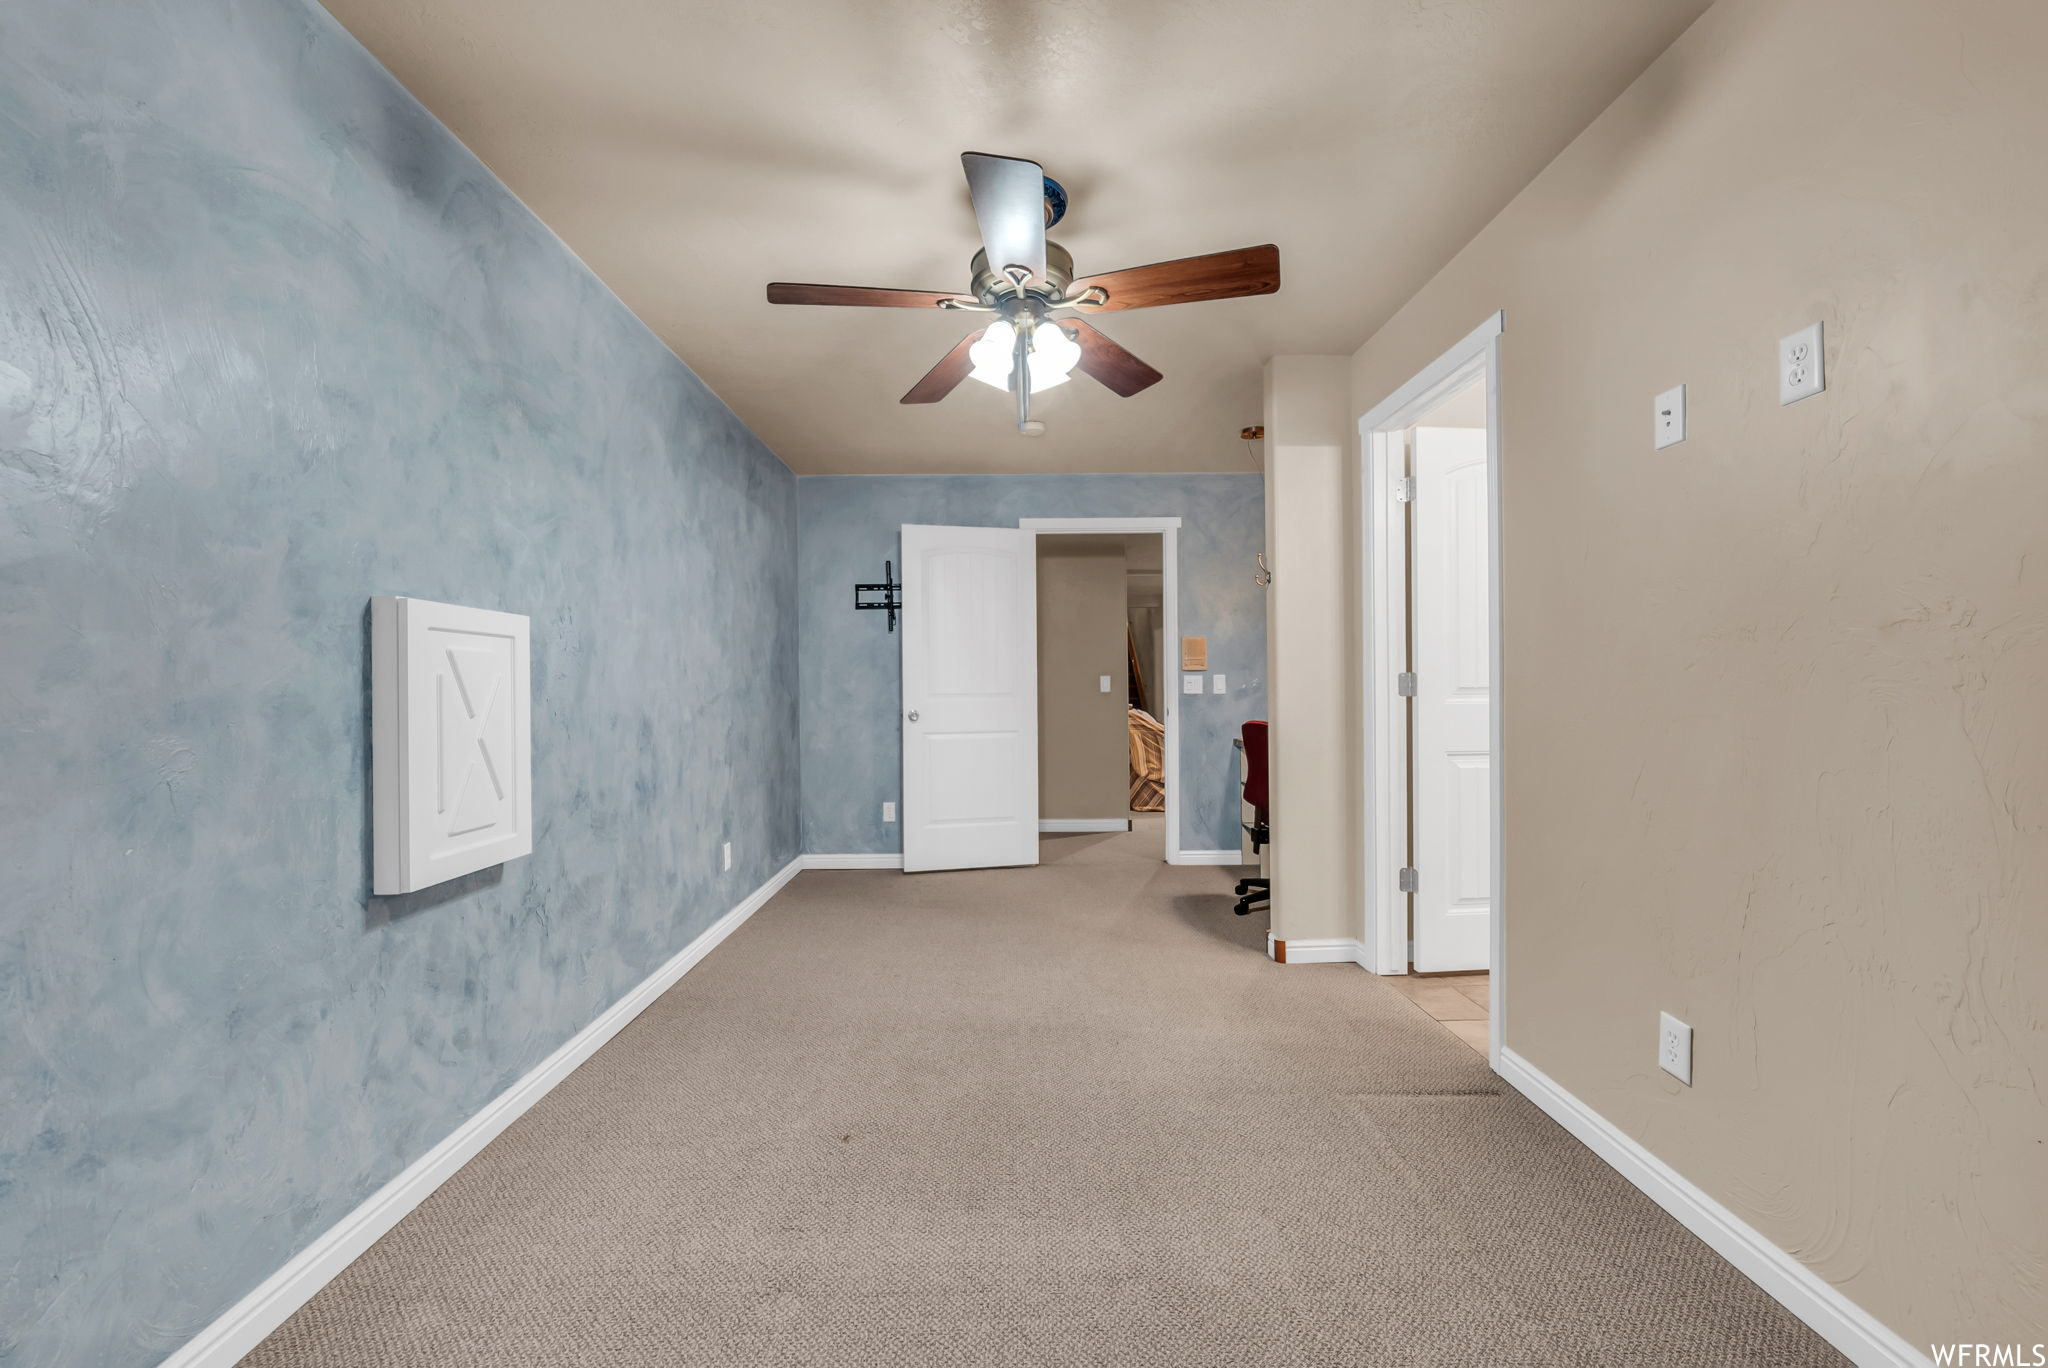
(243, 1326)
(883, 861)
(1340, 951)
(1067, 825)
(1207, 857)
(1858, 1334)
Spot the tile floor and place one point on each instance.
(1458, 1001)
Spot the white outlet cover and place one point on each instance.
(1674, 1047)
(1670, 417)
(1216, 684)
(451, 785)
(1801, 374)
(725, 855)
(888, 812)
(1191, 684)
(1105, 683)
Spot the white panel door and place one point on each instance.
(970, 697)
(1453, 681)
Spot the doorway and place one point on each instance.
(971, 718)
(1431, 594)
(1111, 674)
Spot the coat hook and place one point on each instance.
(1265, 575)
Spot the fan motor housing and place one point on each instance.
(992, 289)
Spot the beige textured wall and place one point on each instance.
(1310, 684)
(1084, 762)
(1776, 700)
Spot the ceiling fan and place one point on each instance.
(1026, 349)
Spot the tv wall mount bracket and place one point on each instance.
(887, 589)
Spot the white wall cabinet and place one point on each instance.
(450, 727)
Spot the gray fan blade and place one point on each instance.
(1009, 204)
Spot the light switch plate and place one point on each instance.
(1800, 373)
(1670, 417)
(1105, 683)
(450, 718)
(1190, 683)
(725, 855)
(1216, 684)
(888, 812)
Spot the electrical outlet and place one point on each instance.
(1800, 375)
(888, 812)
(1674, 1047)
(1670, 428)
(725, 855)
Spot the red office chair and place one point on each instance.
(1253, 892)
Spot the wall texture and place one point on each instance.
(1084, 753)
(273, 342)
(1312, 747)
(852, 667)
(1776, 750)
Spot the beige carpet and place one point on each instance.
(1068, 1115)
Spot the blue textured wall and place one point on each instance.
(852, 667)
(273, 342)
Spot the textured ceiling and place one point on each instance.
(692, 152)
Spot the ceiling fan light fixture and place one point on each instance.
(1019, 277)
(991, 354)
(1053, 355)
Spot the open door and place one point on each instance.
(970, 698)
(1453, 812)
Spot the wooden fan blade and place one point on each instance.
(940, 380)
(1220, 275)
(782, 292)
(1104, 360)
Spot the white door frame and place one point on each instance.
(1383, 570)
(1169, 561)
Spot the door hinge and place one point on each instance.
(1408, 881)
(1404, 489)
(1404, 684)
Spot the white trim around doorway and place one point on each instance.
(1383, 576)
(1169, 561)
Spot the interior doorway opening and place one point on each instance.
(1101, 629)
(972, 639)
(1431, 596)
(1108, 615)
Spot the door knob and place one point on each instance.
(913, 714)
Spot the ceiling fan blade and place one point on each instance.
(1009, 204)
(940, 380)
(782, 292)
(1104, 360)
(1220, 275)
